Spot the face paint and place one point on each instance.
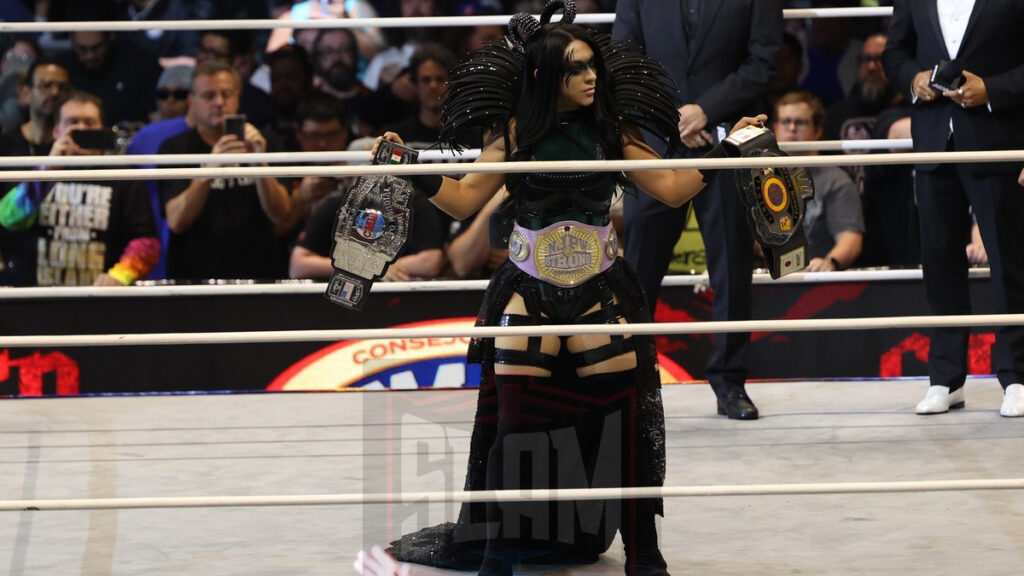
(579, 77)
(573, 68)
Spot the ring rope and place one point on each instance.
(380, 22)
(514, 495)
(1015, 156)
(179, 159)
(649, 329)
(157, 289)
(362, 156)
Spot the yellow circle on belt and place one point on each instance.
(775, 194)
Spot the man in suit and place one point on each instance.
(721, 55)
(982, 38)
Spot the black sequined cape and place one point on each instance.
(460, 545)
(481, 98)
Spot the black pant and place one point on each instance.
(944, 196)
(652, 230)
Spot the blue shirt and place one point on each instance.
(147, 141)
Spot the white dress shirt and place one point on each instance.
(953, 18)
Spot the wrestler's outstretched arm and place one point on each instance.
(673, 187)
(460, 198)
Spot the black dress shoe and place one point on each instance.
(737, 406)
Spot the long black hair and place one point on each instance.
(543, 74)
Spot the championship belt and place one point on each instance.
(371, 229)
(774, 198)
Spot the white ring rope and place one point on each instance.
(184, 159)
(384, 22)
(1016, 156)
(363, 157)
(230, 288)
(655, 328)
(514, 495)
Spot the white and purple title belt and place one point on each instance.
(566, 253)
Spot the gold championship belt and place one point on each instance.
(371, 229)
(774, 198)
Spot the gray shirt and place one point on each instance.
(835, 208)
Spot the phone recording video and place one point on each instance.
(104, 139)
(235, 124)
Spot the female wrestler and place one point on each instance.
(570, 411)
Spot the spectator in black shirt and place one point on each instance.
(429, 74)
(120, 74)
(221, 227)
(335, 55)
(322, 126)
(853, 118)
(49, 85)
(160, 43)
(82, 233)
(291, 79)
(421, 258)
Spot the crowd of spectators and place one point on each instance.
(330, 89)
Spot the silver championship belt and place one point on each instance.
(371, 229)
(774, 198)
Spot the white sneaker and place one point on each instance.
(939, 400)
(1013, 401)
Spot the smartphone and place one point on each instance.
(946, 76)
(104, 139)
(235, 124)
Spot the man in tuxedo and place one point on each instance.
(982, 39)
(721, 55)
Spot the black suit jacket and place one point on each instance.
(992, 48)
(726, 68)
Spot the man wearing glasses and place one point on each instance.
(49, 87)
(235, 48)
(833, 220)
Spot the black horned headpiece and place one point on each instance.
(483, 91)
(522, 26)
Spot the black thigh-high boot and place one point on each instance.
(616, 399)
(524, 418)
(640, 537)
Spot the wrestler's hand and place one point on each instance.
(972, 93)
(378, 563)
(920, 87)
(390, 137)
(758, 120)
